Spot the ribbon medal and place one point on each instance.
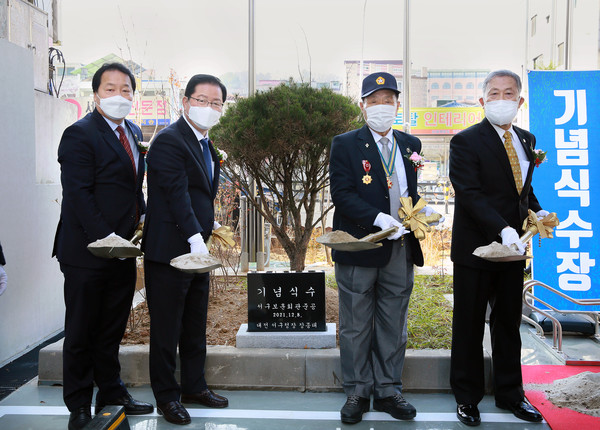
(390, 164)
(367, 167)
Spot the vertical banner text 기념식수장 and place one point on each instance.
(564, 111)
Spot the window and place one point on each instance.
(480, 85)
(435, 86)
(458, 86)
(561, 54)
(533, 25)
(470, 85)
(538, 62)
(446, 86)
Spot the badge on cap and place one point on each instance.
(380, 81)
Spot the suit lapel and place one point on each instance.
(493, 143)
(194, 146)
(526, 144)
(111, 139)
(369, 151)
(411, 178)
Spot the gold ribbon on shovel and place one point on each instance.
(545, 226)
(415, 220)
(222, 235)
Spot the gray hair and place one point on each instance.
(501, 73)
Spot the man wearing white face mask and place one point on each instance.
(183, 177)
(369, 171)
(101, 175)
(491, 167)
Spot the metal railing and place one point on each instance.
(556, 326)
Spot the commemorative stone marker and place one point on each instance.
(286, 301)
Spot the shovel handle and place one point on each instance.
(376, 237)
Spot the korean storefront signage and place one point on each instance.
(564, 112)
(286, 301)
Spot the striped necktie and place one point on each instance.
(514, 161)
(395, 190)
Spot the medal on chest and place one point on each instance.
(389, 164)
(367, 168)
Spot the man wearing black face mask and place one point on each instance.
(101, 176)
(369, 171)
(183, 177)
(491, 168)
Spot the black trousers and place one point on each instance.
(473, 289)
(178, 303)
(97, 304)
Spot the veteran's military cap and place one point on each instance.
(378, 81)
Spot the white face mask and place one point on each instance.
(115, 107)
(204, 117)
(381, 117)
(501, 112)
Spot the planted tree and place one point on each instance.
(281, 139)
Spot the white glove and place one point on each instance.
(428, 210)
(509, 236)
(197, 245)
(3, 280)
(541, 214)
(216, 225)
(385, 221)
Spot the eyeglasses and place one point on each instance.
(204, 103)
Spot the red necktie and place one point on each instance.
(125, 142)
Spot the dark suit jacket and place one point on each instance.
(356, 203)
(486, 194)
(100, 194)
(2, 259)
(180, 197)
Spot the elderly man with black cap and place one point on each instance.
(370, 169)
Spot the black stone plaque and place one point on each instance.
(286, 301)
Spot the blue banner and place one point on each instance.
(564, 115)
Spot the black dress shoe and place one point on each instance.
(353, 409)
(174, 412)
(522, 410)
(207, 398)
(132, 406)
(468, 414)
(396, 406)
(80, 417)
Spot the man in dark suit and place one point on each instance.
(3, 277)
(101, 175)
(183, 177)
(491, 166)
(369, 171)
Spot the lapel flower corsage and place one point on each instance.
(221, 154)
(415, 159)
(141, 146)
(539, 156)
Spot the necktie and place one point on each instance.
(514, 161)
(207, 159)
(395, 190)
(125, 142)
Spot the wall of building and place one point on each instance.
(32, 308)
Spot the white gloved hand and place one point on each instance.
(216, 225)
(385, 221)
(197, 245)
(541, 214)
(428, 210)
(509, 236)
(3, 280)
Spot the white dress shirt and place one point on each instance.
(199, 137)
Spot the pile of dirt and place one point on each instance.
(580, 393)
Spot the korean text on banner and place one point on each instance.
(564, 108)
